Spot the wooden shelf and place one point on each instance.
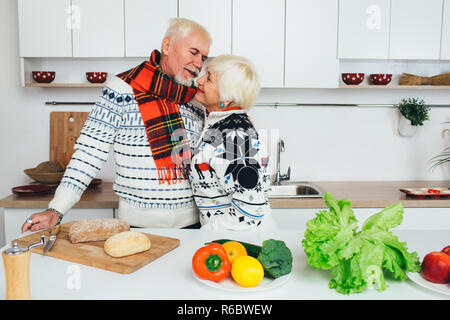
(374, 87)
(65, 85)
(394, 87)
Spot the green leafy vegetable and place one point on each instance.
(415, 110)
(275, 258)
(357, 258)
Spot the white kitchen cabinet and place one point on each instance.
(258, 34)
(215, 16)
(364, 29)
(44, 28)
(100, 29)
(146, 22)
(15, 217)
(445, 39)
(311, 44)
(415, 29)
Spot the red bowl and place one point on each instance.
(96, 77)
(380, 78)
(43, 76)
(352, 78)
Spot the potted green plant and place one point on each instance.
(442, 158)
(413, 112)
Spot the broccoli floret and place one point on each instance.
(275, 258)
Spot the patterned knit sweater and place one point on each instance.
(116, 122)
(229, 173)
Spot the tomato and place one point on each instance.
(247, 271)
(436, 267)
(234, 249)
(446, 250)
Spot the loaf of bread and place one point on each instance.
(127, 243)
(96, 229)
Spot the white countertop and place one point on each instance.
(170, 277)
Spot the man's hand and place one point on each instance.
(41, 220)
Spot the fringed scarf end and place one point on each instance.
(172, 175)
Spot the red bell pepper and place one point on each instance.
(211, 262)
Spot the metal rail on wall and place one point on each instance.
(280, 104)
(54, 103)
(370, 105)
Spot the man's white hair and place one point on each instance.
(238, 80)
(181, 27)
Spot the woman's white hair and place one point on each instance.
(183, 27)
(238, 80)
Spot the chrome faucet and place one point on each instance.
(281, 177)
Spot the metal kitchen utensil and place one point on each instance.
(52, 238)
(15, 249)
(16, 261)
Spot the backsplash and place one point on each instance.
(353, 144)
(322, 143)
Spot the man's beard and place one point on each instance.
(189, 81)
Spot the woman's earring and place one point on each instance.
(222, 104)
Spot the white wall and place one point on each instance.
(322, 143)
(354, 143)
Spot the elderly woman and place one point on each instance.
(229, 175)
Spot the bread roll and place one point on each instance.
(127, 243)
(96, 229)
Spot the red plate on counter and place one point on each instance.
(32, 190)
(94, 183)
(427, 193)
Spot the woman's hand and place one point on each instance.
(41, 220)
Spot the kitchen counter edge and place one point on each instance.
(362, 194)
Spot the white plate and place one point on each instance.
(228, 284)
(418, 278)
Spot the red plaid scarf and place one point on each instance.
(158, 97)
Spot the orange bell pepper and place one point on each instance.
(211, 262)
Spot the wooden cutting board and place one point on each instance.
(92, 253)
(65, 129)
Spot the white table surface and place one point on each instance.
(170, 277)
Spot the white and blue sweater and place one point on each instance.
(116, 122)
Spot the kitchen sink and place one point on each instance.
(295, 189)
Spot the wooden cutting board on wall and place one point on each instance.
(65, 129)
(92, 253)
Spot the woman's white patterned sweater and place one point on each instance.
(229, 175)
(116, 122)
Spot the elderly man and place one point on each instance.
(144, 115)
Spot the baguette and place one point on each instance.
(126, 243)
(96, 229)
